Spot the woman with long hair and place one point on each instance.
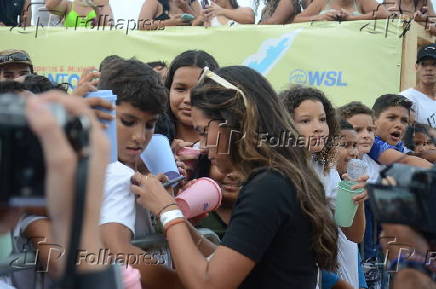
(280, 230)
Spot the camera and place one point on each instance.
(22, 169)
(411, 202)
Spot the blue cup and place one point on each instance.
(111, 125)
(159, 158)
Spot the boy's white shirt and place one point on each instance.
(118, 204)
(424, 106)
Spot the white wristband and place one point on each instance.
(168, 216)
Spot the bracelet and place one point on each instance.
(172, 223)
(168, 216)
(166, 206)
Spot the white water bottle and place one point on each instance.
(355, 169)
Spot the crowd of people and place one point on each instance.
(276, 220)
(160, 13)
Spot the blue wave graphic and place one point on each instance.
(270, 52)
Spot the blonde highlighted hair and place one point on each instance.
(262, 112)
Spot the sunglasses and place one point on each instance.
(221, 81)
(14, 57)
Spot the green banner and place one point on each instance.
(356, 60)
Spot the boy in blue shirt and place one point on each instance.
(391, 119)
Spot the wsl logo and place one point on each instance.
(317, 78)
(271, 51)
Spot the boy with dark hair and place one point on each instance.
(391, 119)
(348, 146)
(141, 99)
(130, 79)
(361, 118)
(136, 83)
(108, 60)
(355, 107)
(114, 74)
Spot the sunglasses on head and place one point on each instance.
(221, 81)
(14, 57)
